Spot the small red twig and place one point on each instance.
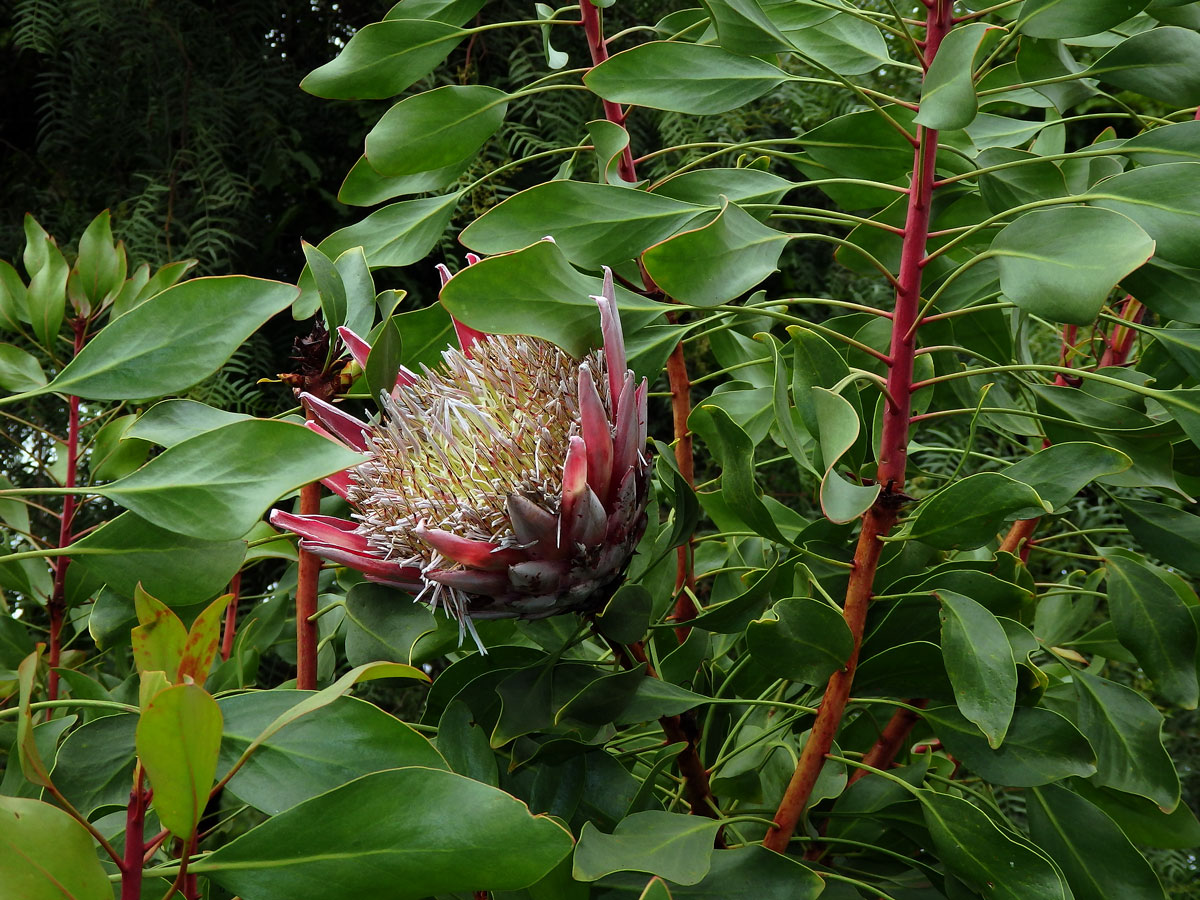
(599, 52)
(135, 840)
(309, 568)
(229, 629)
(57, 605)
(891, 740)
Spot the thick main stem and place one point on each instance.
(309, 568)
(57, 605)
(893, 458)
(681, 410)
(135, 840)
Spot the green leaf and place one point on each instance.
(94, 766)
(732, 446)
(838, 426)
(670, 845)
(1154, 624)
(383, 362)
(805, 641)
(171, 422)
(746, 873)
(464, 744)
(626, 617)
(435, 129)
(970, 512)
(329, 286)
(100, 266)
(980, 664)
(535, 291)
(843, 43)
(114, 454)
(593, 224)
(656, 889)
(202, 640)
(1158, 63)
(1074, 18)
(178, 741)
(610, 141)
(1124, 729)
(46, 296)
(322, 750)
(218, 484)
(948, 100)
(159, 638)
(399, 234)
(1061, 471)
(384, 624)
(1167, 532)
(427, 333)
(352, 837)
(992, 862)
(1093, 853)
(183, 570)
(46, 855)
(19, 371)
(1140, 819)
(1163, 200)
(172, 341)
(363, 186)
(716, 262)
(683, 77)
(383, 59)
(700, 186)
(1041, 747)
(1062, 263)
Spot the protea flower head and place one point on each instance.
(509, 482)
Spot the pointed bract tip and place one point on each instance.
(359, 349)
(443, 273)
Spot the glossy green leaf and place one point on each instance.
(427, 333)
(741, 186)
(1041, 747)
(464, 744)
(837, 430)
(948, 98)
(46, 296)
(318, 752)
(94, 766)
(383, 623)
(100, 266)
(1061, 471)
(384, 360)
(1124, 729)
(114, 455)
(202, 639)
(675, 847)
(626, 617)
(593, 224)
(181, 570)
(178, 741)
(805, 641)
(363, 186)
(985, 858)
(1158, 63)
(1074, 18)
(172, 341)
(352, 837)
(536, 291)
(1163, 201)
(19, 371)
(610, 141)
(1154, 624)
(718, 261)
(1093, 853)
(843, 43)
(732, 446)
(456, 12)
(1169, 533)
(1062, 263)
(46, 855)
(330, 287)
(656, 889)
(970, 512)
(683, 77)
(1141, 820)
(171, 422)
(218, 484)
(399, 234)
(435, 129)
(746, 873)
(383, 59)
(979, 662)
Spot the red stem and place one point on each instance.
(612, 111)
(135, 839)
(57, 605)
(681, 409)
(891, 740)
(893, 457)
(306, 599)
(229, 630)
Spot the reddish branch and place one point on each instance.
(57, 605)
(891, 740)
(612, 111)
(135, 840)
(893, 457)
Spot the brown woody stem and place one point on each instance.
(891, 740)
(893, 457)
